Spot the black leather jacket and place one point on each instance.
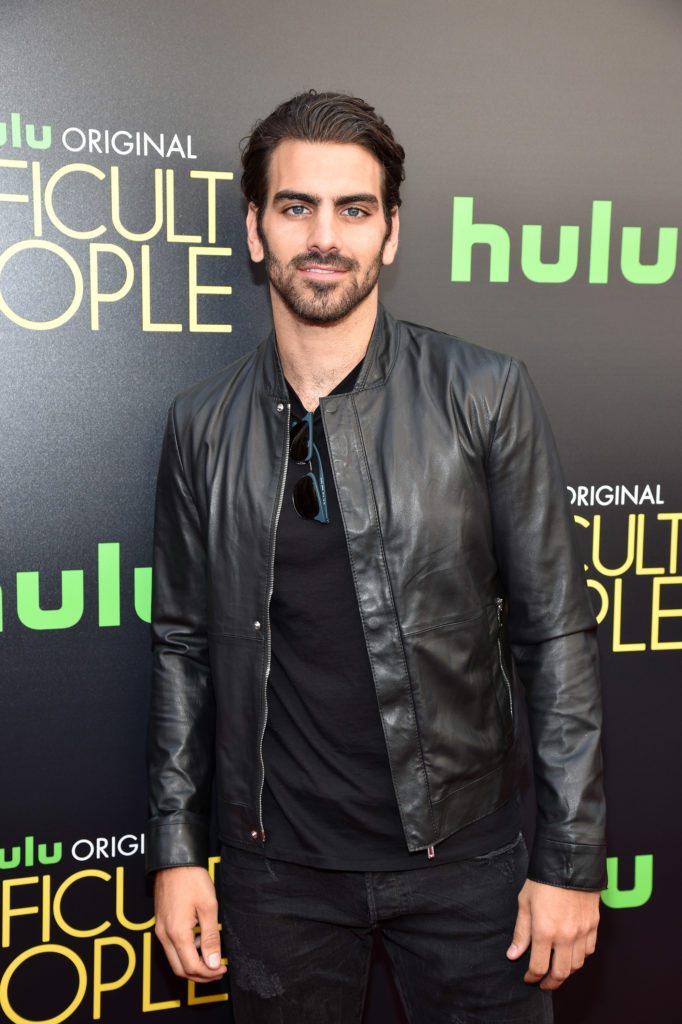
(467, 581)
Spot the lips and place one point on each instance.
(314, 264)
(322, 270)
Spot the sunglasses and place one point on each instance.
(309, 494)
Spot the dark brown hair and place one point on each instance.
(322, 117)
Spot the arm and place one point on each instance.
(181, 727)
(552, 633)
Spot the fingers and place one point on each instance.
(186, 897)
(185, 961)
(563, 931)
(171, 956)
(183, 955)
(192, 965)
(591, 937)
(540, 954)
(578, 954)
(563, 960)
(560, 969)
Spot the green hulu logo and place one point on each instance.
(31, 613)
(28, 856)
(466, 233)
(641, 890)
(16, 130)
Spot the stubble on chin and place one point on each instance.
(319, 302)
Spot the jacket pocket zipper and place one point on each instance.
(499, 603)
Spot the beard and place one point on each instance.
(320, 302)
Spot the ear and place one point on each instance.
(391, 243)
(252, 237)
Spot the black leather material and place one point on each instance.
(468, 584)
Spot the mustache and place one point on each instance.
(334, 260)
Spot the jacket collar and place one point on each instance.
(377, 364)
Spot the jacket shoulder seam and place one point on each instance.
(179, 453)
(496, 416)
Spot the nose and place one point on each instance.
(323, 234)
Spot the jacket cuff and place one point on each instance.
(568, 865)
(176, 840)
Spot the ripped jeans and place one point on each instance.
(298, 940)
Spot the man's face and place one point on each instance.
(323, 233)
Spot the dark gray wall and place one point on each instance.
(534, 109)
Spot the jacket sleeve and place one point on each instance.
(552, 631)
(182, 714)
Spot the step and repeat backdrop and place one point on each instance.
(541, 218)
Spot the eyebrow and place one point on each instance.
(313, 200)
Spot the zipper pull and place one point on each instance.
(499, 602)
(430, 852)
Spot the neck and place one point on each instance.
(317, 357)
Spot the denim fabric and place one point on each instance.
(299, 940)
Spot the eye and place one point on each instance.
(354, 212)
(297, 210)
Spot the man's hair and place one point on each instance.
(322, 117)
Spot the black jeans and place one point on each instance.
(298, 940)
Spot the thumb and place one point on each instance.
(521, 938)
(210, 940)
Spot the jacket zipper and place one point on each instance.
(268, 641)
(499, 603)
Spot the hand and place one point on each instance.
(560, 924)
(183, 898)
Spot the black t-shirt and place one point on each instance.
(328, 798)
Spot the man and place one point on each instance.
(361, 547)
